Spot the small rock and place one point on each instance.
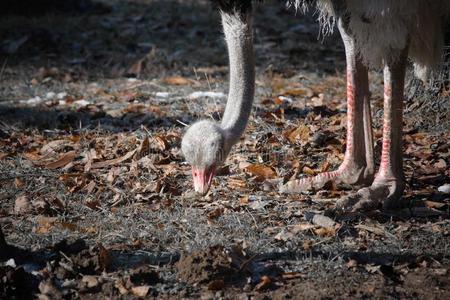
(162, 94)
(50, 95)
(320, 220)
(197, 95)
(61, 95)
(444, 188)
(81, 103)
(11, 263)
(34, 100)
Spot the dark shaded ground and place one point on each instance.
(97, 201)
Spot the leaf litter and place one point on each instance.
(97, 199)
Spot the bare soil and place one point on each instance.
(96, 200)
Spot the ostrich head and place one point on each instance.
(204, 147)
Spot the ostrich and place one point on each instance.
(381, 33)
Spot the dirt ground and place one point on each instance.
(96, 201)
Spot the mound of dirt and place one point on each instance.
(214, 264)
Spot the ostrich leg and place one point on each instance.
(358, 165)
(389, 182)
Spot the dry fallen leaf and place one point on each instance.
(45, 224)
(115, 161)
(3, 155)
(214, 214)
(121, 287)
(18, 182)
(104, 258)
(301, 227)
(309, 171)
(291, 275)
(177, 80)
(33, 155)
(261, 170)
(308, 245)
(62, 161)
(302, 133)
(325, 231)
(433, 204)
(265, 282)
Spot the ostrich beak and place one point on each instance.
(203, 178)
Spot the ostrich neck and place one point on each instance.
(239, 39)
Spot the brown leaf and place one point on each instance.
(93, 204)
(265, 282)
(301, 227)
(298, 92)
(121, 287)
(309, 171)
(302, 133)
(62, 161)
(4, 155)
(308, 245)
(114, 161)
(104, 257)
(137, 68)
(432, 204)
(69, 226)
(18, 182)
(177, 80)
(32, 155)
(243, 201)
(161, 142)
(261, 170)
(44, 225)
(291, 275)
(216, 285)
(143, 148)
(325, 231)
(215, 213)
(237, 183)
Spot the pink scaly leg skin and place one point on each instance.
(358, 165)
(389, 183)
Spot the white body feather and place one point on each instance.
(382, 27)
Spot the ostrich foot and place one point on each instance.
(357, 176)
(383, 192)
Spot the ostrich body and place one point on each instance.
(382, 33)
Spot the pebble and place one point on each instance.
(34, 100)
(61, 95)
(50, 95)
(196, 95)
(162, 94)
